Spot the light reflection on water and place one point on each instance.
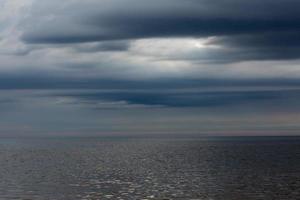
(150, 169)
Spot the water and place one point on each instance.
(112, 168)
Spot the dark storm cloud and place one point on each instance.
(44, 80)
(264, 40)
(103, 46)
(39, 80)
(255, 30)
(186, 98)
(135, 27)
(268, 45)
(236, 53)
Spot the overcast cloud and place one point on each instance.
(132, 39)
(130, 45)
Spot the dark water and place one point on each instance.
(211, 169)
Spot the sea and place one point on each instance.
(129, 168)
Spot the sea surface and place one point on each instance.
(232, 168)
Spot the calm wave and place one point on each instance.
(208, 169)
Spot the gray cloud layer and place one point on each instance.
(161, 66)
(254, 30)
(144, 44)
(108, 112)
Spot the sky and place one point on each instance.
(119, 67)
